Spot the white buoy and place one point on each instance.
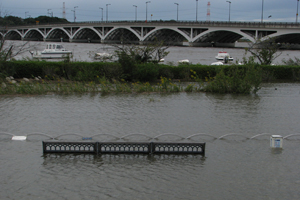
(183, 61)
(276, 141)
(20, 138)
(217, 63)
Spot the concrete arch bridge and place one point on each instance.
(204, 34)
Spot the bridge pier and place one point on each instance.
(118, 42)
(191, 44)
(224, 44)
(52, 40)
(211, 44)
(167, 43)
(31, 39)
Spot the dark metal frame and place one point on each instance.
(124, 147)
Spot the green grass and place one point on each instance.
(235, 80)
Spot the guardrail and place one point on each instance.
(186, 23)
(124, 147)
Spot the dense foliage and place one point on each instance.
(105, 77)
(89, 71)
(130, 56)
(16, 21)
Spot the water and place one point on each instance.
(205, 56)
(233, 167)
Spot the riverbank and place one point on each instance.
(40, 77)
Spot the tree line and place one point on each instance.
(16, 21)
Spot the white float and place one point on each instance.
(20, 138)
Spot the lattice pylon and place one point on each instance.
(64, 10)
(208, 12)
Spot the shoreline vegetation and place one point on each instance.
(137, 69)
(40, 77)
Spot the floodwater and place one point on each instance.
(202, 55)
(234, 167)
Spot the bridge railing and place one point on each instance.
(238, 23)
(169, 23)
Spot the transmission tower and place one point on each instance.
(208, 12)
(64, 11)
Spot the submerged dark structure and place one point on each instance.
(123, 147)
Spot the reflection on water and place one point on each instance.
(234, 167)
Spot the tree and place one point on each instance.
(266, 51)
(152, 52)
(9, 20)
(129, 56)
(9, 50)
(3, 12)
(292, 62)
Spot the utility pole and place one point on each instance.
(135, 12)
(101, 15)
(229, 8)
(262, 12)
(107, 12)
(64, 10)
(147, 9)
(297, 11)
(75, 13)
(196, 10)
(177, 9)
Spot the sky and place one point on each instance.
(220, 10)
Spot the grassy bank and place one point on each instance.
(89, 71)
(40, 77)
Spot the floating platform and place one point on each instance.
(123, 147)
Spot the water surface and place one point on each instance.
(202, 55)
(234, 167)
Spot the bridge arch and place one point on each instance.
(117, 35)
(57, 34)
(168, 34)
(293, 37)
(33, 34)
(13, 35)
(86, 34)
(221, 36)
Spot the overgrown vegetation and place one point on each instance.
(265, 51)
(132, 59)
(221, 79)
(239, 80)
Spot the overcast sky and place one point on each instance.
(89, 10)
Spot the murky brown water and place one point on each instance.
(234, 167)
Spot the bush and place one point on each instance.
(143, 72)
(146, 72)
(237, 79)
